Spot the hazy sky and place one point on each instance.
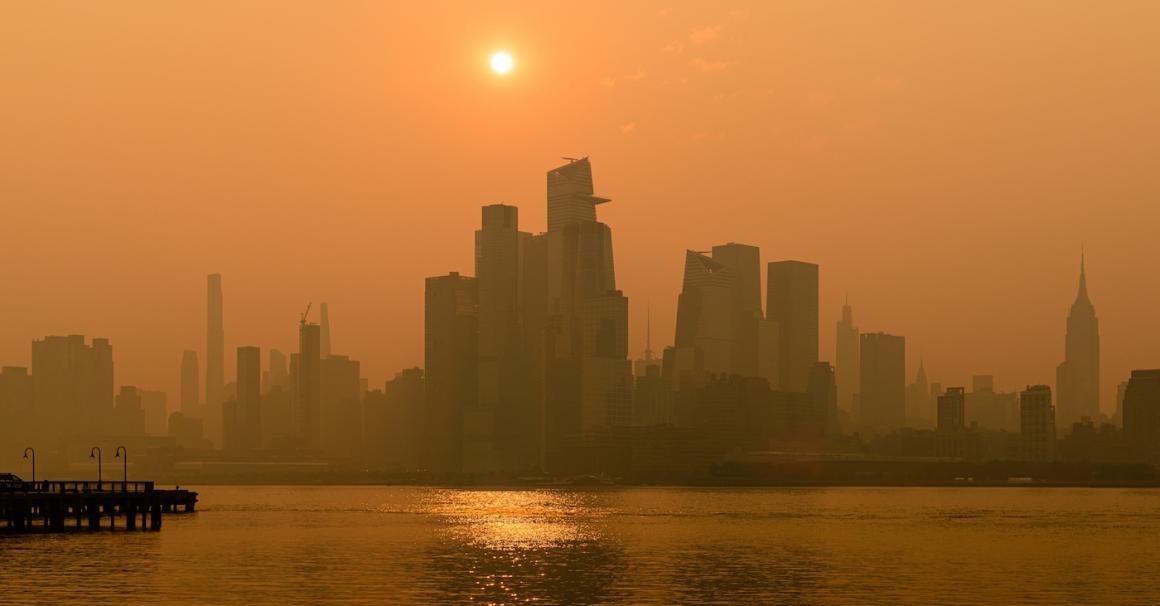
(942, 162)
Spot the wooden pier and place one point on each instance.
(59, 506)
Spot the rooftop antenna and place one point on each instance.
(570, 160)
(302, 319)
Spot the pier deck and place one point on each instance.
(59, 506)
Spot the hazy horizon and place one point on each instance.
(943, 165)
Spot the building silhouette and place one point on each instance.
(248, 415)
(128, 413)
(215, 355)
(279, 373)
(918, 399)
(451, 351)
(324, 323)
(952, 423)
(822, 388)
(72, 383)
(306, 365)
(792, 302)
(882, 392)
(156, 406)
(1142, 414)
(190, 384)
(1037, 423)
(648, 358)
(505, 408)
(847, 366)
(588, 387)
(1077, 378)
(341, 403)
(704, 339)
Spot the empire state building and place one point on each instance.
(1077, 379)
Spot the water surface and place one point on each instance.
(394, 545)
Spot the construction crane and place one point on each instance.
(302, 320)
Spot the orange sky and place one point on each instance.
(942, 163)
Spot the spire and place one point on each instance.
(648, 352)
(1082, 295)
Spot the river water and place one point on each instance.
(397, 545)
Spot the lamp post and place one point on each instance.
(31, 451)
(95, 453)
(123, 454)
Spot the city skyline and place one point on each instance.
(873, 148)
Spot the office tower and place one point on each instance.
(982, 383)
(744, 262)
(276, 419)
(719, 312)
(792, 302)
(248, 416)
(951, 427)
(1037, 423)
(128, 413)
(991, 410)
(72, 383)
(451, 350)
(503, 364)
(215, 355)
(588, 386)
(822, 388)
(882, 390)
(393, 427)
(16, 391)
(534, 311)
(341, 408)
(156, 407)
(190, 384)
(847, 368)
(1142, 414)
(324, 322)
(1077, 379)
(768, 342)
(917, 399)
(704, 332)
(279, 374)
(308, 392)
(1121, 391)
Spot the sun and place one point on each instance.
(501, 62)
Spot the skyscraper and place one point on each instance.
(847, 368)
(918, 400)
(792, 302)
(247, 416)
(744, 262)
(72, 383)
(341, 408)
(279, 373)
(324, 322)
(1037, 423)
(951, 426)
(451, 351)
(882, 399)
(215, 354)
(719, 312)
(1077, 379)
(705, 313)
(190, 381)
(308, 394)
(1142, 413)
(503, 364)
(589, 377)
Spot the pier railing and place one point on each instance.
(83, 486)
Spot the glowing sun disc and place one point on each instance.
(501, 63)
